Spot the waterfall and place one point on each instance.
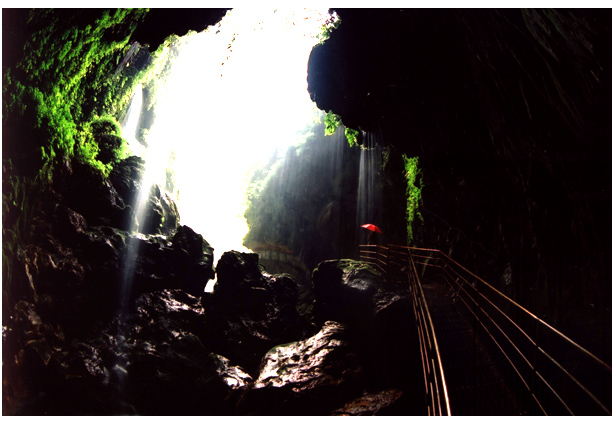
(236, 93)
(369, 204)
(131, 121)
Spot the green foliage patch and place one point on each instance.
(60, 101)
(352, 136)
(332, 23)
(64, 79)
(332, 122)
(413, 175)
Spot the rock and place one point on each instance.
(344, 291)
(250, 308)
(126, 178)
(150, 363)
(87, 192)
(174, 306)
(370, 404)
(161, 214)
(379, 318)
(309, 377)
(235, 270)
(168, 369)
(192, 258)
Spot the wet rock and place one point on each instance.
(309, 377)
(127, 176)
(379, 318)
(52, 375)
(169, 370)
(250, 311)
(150, 363)
(344, 291)
(175, 307)
(192, 258)
(371, 404)
(87, 192)
(161, 213)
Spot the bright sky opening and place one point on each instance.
(237, 92)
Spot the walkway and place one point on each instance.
(483, 353)
(474, 385)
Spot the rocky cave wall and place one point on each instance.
(98, 319)
(305, 205)
(510, 114)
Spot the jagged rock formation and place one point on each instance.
(379, 319)
(309, 377)
(87, 332)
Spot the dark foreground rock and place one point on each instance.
(250, 311)
(368, 404)
(148, 363)
(379, 318)
(99, 320)
(309, 377)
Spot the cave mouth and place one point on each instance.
(235, 97)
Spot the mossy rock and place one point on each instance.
(111, 148)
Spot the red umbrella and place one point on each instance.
(372, 227)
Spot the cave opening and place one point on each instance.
(131, 170)
(236, 97)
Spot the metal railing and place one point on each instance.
(436, 392)
(556, 375)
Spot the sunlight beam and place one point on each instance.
(236, 93)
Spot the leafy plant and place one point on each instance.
(413, 175)
(332, 23)
(331, 122)
(352, 136)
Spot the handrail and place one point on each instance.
(436, 391)
(595, 358)
(551, 384)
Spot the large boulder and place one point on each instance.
(309, 377)
(379, 317)
(250, 311)
(168, 369)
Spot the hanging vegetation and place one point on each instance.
(413, 175)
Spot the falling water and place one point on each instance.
(131, 121)
(236, 92)
(369, 206)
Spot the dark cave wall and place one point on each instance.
(510, 114)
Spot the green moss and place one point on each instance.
(63, 80)
(51, 100)
(413, 175)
